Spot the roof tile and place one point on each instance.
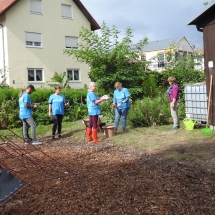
(6, 4)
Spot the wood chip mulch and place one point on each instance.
(108, 179)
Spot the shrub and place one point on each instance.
(148, 111)
(40, 114)
(75, 111)
(9, 113)
(107, 112)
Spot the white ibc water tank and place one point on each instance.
(196, 101)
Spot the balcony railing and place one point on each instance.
(157, 65)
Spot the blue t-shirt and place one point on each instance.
(24, 112)
(57, 102)
(120, 96)
(93, 109)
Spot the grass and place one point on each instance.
(180, 144)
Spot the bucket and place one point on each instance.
(189, 124)
(108, 130)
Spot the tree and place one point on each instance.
(110, 58)
(59, 80)
(183, 66)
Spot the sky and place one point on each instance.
(154, 19)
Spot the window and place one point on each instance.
(73, 74)
(143, 57)
(179, 55)
(66, 11)
(160, 59)
(71, 42)
(160, 64)
(36, 6)
(33, 39)
(161, 56)
(35, 75)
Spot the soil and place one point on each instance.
(86, 178)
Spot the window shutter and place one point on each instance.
(66, 11)
(33, 37)
(71, 42)
(36, 6)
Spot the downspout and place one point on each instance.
(3, 46)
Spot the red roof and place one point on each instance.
(6, 4)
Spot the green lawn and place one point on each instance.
(180, 144)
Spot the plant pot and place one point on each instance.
(108, 130)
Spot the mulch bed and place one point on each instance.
(109, 179)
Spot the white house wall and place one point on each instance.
(53, 29)
(184, 46)
(3, 49)
(151, 56)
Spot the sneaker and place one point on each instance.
(28, 141)
(174, 128)
(36, 142)
(59, 136)
(53, 137)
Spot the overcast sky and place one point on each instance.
(155, 19)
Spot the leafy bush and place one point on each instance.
(107, 112)
(8, 94)
(75, 111)
(40, 114)
(9, 114)
(149, 111)
(150, 86)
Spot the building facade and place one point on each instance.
(154, 51)
(33, 35)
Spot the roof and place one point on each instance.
(199, 50)
(94, 24)
(161, 44)
(6, 4)
(205, 16)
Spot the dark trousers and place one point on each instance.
(93, 122)
(57, 119)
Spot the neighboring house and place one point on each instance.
(199, 61)
(155, 51)
(33, 35)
